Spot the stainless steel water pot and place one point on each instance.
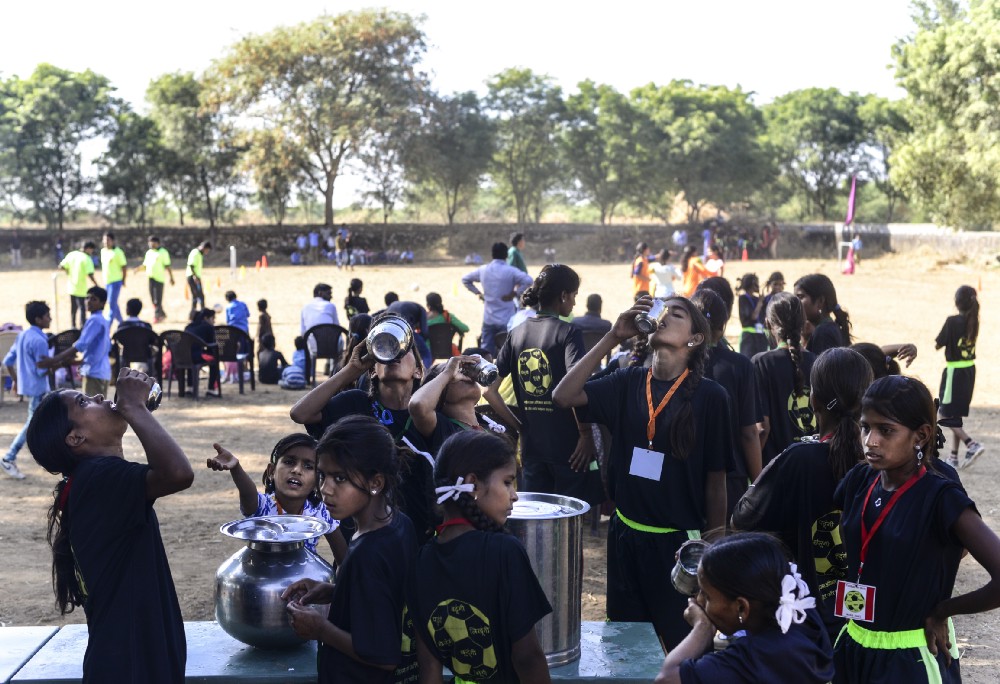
(248, 585)
(390, 338)
(551, 528)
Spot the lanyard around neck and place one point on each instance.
(651, 425)
(866, 534)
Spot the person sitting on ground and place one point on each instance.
(270, 362)
(293, 376)
(592, 321)
(133, 308)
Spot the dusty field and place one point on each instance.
(895, 299)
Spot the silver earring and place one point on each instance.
(920, 454)
(741, 618)
(690, 344)
(374, 491)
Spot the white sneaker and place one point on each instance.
(974, 451)
(952, 460)
(11, 469)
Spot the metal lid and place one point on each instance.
(276, 528)
(538, 506)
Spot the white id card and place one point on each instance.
(646, 463)
(855, 601)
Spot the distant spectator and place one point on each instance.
(133, 308)
(30, 347)
(390, 297)
(550, 255)
(406, 256)
(348, 248)
(114, 268)
(263, 321)
(340, 246)
(354, 303)
(473, 259)
(156, 264)
(195, 262)
(94, 344)
(501, 283)
(270, 362)
(15, 249)
(592, 321)
(318, 311)
(436, 313)
(302, 245)
(79, 266)
(515, 257)
(293, 376)
(237, 313)
(680, 238)
(664, 274)
(313, 246)
(296, 258)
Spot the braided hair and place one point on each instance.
(46, 435)
(479, 453)
(838, 380)
(285, 444)
(363, 448)
(750, 565)
(785, 319)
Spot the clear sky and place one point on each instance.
(766, 46)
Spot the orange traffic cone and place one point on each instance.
(746, 255)
(257, 265)
(980, 288)
(263, 261)
(218, 282)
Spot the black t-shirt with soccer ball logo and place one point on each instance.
(471, 599)
(789, 414)
(538, 353)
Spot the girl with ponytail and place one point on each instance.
(474, 569)
(793, 497)
(107, 554)
(670, 445)
(828, 324)
(958, 337)
(782, 375)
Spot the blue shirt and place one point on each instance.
(238, 315)
(95, 345)
(498, 280)
(268, 505)
(29, 348)
(299, 359)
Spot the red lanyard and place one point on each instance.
(651, 425)
(866, 534)
(450, 522)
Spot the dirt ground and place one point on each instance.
(902, 298)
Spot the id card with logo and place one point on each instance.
(646, 463)
(855, 602)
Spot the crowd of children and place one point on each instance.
(811, 466)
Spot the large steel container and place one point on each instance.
(551, 528)
(248, 586)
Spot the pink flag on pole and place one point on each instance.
(850, 202)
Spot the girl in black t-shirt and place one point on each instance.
(354, 303)
(472, 590)
(669, 446)
(362, 638)
(905, 527)
(747, 583)
(819, 302)
(793, 497)
(556, 448)
(107, 554)
(752, 338)
(782, 375)
(958, 380)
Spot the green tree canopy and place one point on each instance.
(324, 83)
(131, 167)
(817, 134)
(526, 108)
(950, 164)
(46, 118)
(452, 150)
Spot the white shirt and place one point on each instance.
(318, 311)
(665, 275)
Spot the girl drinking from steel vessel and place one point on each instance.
(747, 583)
(669, 446)
(107, 554)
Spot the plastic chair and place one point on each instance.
(6, 342)
(441, 336)
(236, 346)
(138, 344)
(58, 343)
(180, 342)
(330, 342)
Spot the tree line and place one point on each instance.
(282, 116)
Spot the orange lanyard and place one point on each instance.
(651, 425)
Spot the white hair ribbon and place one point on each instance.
(795, 600)
(494, 426)
(414, 449)
(453, 491)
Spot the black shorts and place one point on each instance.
(963, 382)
